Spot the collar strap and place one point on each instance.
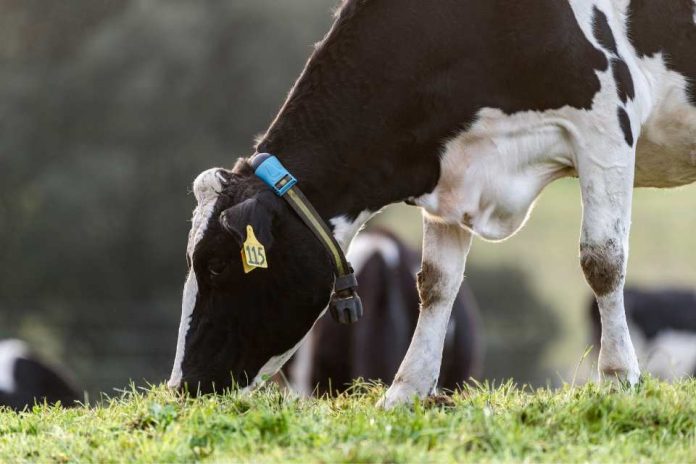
(345, 305)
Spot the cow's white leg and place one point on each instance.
(445, 248)
(606, 179)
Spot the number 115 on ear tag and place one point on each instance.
(253, 253)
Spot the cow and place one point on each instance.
(26, 380)
(662, 323)
(467, 110)
(334, 355)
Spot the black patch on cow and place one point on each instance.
(666, 27)
(428, 279)
(395, 79)
(603, 266)
(625, 123)
(653, 312)
(35, 382)
(624, 81)
(602, 31)
(657, 311)
(622, 75)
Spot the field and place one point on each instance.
(655, 422)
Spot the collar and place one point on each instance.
(345, 304)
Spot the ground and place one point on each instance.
(654, 422)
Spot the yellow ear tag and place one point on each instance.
(253, 253)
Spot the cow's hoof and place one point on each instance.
(627, 374)
(620, 377)
(398, 394)
(618, 362)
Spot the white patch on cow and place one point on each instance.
(345, 230)
(188, 302)
(493, 172)
(621, 6)
(301, 369)
(206, 188)
(366, 245)
(667, 148)
(10, 352)
(671, 355)
(428, 202)
(694, 11)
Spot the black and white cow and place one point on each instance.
(334, 355)
(663, 329)
(26, 380)
(467, 109)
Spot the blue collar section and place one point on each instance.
(269, 169)
(345, 304)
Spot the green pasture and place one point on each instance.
(655, 422)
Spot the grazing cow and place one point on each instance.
(467, 109)
(334, 355)
(663, 328)
(25, 380)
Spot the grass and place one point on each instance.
(655, 422)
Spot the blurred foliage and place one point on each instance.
(521, 324)
(108, 110)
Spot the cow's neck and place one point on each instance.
(336, 190)
(352, 130)
(341, 172)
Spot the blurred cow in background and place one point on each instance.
(26, 380)
(663, 328)
(334, 355)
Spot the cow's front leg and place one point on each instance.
(607, 189)
(445, 248)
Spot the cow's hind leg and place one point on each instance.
(445, 248)
(606, 179)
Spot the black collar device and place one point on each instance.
(345, 305)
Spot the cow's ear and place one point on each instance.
(257, 212)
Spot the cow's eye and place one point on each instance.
(216, 267)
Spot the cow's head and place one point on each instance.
(237, 328)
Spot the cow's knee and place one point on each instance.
(603, 265)
(437, 285)
(429, 285)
